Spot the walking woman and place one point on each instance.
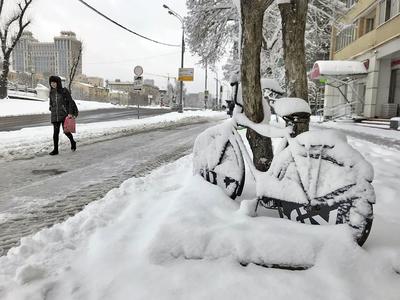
(60, 107)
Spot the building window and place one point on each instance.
(388, 9)
(369, 24)
(350, 3)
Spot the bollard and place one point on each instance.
(394, 123)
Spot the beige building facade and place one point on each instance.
(370, 33)
(148, 95)
(85, 91)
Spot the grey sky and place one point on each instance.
(109, 51)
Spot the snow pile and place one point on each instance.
(29, 142)
(28, 273)
(16, 107)
(172, 235)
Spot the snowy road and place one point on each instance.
(42, 191)
(18, 122)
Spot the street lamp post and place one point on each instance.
(216, 93)
(175, 14)
(205, 89)
(218, 99)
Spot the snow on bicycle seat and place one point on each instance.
(288, 106)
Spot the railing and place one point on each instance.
(340, 110)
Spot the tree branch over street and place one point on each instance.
(210, 26)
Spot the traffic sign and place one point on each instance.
(186, 74)
(138, 83)
(138, 70)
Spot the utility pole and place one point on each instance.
(205, 89)
(167, 94)
(180, 108)
(216, 93)
(175, 14)
(220, 96)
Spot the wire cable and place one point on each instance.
(159, 75)
(132, 59)
(123, 27)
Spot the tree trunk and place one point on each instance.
(294, 18)
(4, 78)
(252, 12)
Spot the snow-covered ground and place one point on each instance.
(16, 107)
(363, 128)
(171, 235)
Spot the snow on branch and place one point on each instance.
(210, 25)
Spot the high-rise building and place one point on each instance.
(57, 58)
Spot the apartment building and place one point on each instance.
(370, 33)
(32, 56)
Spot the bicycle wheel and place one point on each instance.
(218, 159)
(334, 178)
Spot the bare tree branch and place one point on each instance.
(8, 44)
(74, 67)
(18, 16)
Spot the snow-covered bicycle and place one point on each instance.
(315, 177)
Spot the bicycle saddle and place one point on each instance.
(291, 106)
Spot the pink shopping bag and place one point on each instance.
(69, 125)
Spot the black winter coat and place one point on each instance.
(60, 104)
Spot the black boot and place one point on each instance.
(73, 145)
(54, 152)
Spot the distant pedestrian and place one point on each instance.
(60, 107)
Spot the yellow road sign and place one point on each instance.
(186, 74)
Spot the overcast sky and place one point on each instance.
(109, 51)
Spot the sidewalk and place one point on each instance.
(380, 136)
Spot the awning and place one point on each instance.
(337, 68)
